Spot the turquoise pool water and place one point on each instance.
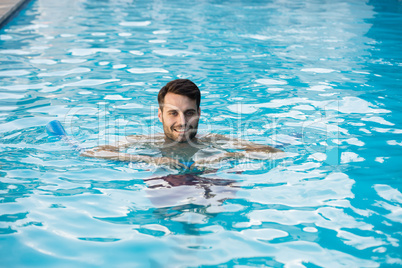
(320, 79)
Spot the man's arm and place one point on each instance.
(113, 152)
(246, 149)
(239, 144)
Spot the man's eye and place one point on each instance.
(173, 113)
(190, 113)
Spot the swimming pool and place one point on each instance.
(321, 80)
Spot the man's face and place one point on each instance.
(179, 117)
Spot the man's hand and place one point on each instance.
(112, 153)
(105, 152)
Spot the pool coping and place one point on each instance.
(8, 8)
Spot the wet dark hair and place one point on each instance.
(182, 87)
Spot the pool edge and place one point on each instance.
(11, 8)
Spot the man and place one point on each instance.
(179, 146)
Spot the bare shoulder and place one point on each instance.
(236, 143)
(213, 137)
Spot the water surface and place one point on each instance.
(321, 80)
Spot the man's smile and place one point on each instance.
(181, 130)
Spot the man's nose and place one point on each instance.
(182, 119)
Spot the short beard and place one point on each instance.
(187, 136)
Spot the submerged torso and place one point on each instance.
(184, 152)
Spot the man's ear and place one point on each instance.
(160, 114)
(199, 111)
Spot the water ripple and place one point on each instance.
(319, 81)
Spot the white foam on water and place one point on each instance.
(350, 105)
(357, 124)
(135, 23)
(285, 217)
(247, 224)
(264, 234)
(310, 230)
(304, 107)
(43, 61)
(365, 130)
(50, 89)
(258, 37)
(285, 139)
(125, 34)
(147, 70)
(259, 56)
(85, 92)
(15, 52)
(355, 141)
(394, 142)
(381, 130)
(157, 41)
(380, 250)
(388, 193)
(277, 103)
(242, 108)
(327, 94)
(32, 27)
(348, 157)
(381, 159)
(359, 242)
(270, 82)
(26, 87)
(172, 52)
(319, 88)
(254, 132)
(14, 73)
(135, 84)
(318, 156)
(136, 52)
(119, 66)
(318, 70)
(67, 35)
(275, 89)
(191, 218)
(89, 82)
(296, 114)
(91, 51)
(5, 96)
(73, 60)
(236, 99)
(395, 215)
(161, 32)
(115, 97)
(5, 37)
(156, 227)
(8, 108)
(360, 72)
(64, 73)
(296, 254)
(39, 47)
(130, 106)
(379, 120)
